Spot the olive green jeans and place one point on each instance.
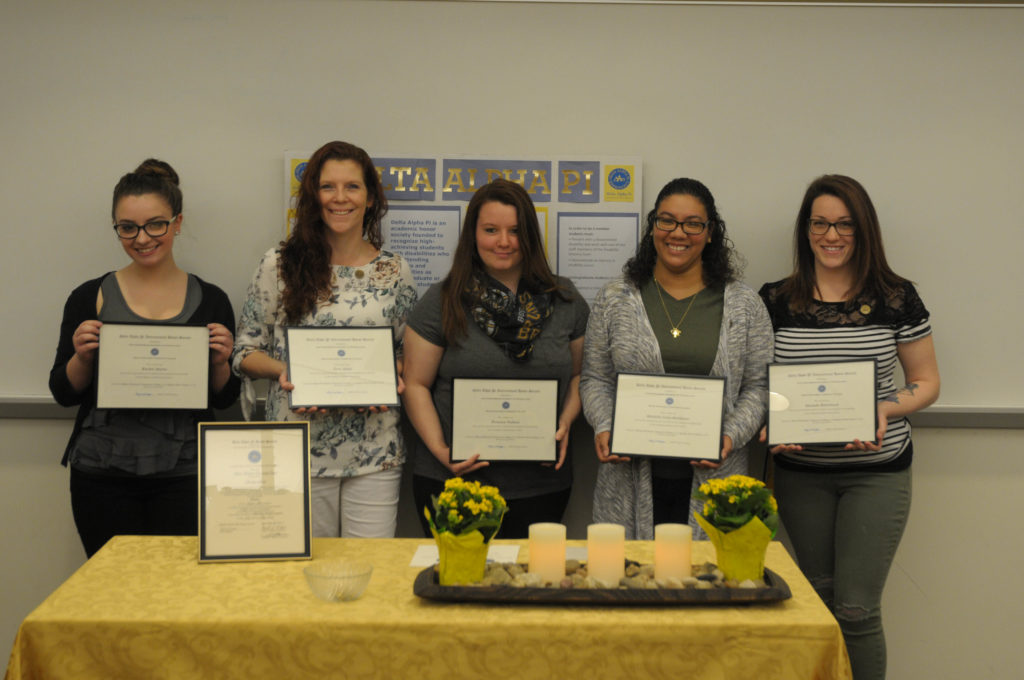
(845, 528)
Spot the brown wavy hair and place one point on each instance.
(306, 254)
(872, 275)
(536, 277)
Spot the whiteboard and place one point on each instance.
(921, 104)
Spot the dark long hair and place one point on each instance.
(536, 276)
(151, 177)
(719, 263)
(306, 254)
(871, 272)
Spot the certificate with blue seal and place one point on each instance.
(511, 419)
(342, 366)
(830, 402)
(668, 416)
(153, 366)
(254, 491)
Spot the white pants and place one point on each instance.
(356, 507)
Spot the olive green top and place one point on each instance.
(692, 352)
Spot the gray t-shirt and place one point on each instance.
(478, 356)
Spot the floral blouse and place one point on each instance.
(343, 442)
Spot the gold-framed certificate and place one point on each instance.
(351, 366)
(504, 419)
(150, 366)
(668, 416)
(254, 491)
(829, 402)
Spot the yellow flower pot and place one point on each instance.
(463, 557)
(740, 552)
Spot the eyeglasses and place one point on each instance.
(692, 227)
(129, 231)
(821, 227)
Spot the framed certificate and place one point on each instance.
(507, 420)
(153, 366)
(254, 491)
(668, 416)
(832, 402)
(351, 366)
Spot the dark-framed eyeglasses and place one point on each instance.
(129, 231)
(821, 227)
(692, 227)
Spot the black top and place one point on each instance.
(215, 307)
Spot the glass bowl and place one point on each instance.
(338, 580)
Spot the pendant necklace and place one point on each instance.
(675, 327)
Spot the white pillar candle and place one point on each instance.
(672, 551)
(547, 551)
(606, 553)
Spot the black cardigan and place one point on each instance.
(81, 306)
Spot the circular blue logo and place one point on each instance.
(619, 178)
(299, 169)
(254, 456)
(821, 388)
(669, 400)
(505, 404)
(154, 351)
(341, 352)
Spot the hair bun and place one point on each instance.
(157, 168)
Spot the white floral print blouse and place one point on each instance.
(343, 442)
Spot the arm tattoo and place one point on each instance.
(907, 390)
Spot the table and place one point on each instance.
(143, 607)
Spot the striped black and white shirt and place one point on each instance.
(850, 331)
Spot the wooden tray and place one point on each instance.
(426, 586)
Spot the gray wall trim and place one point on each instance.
(976, 417)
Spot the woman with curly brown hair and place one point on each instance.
(332, 271)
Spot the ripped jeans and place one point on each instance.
(845, 528)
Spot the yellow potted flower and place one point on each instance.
(466, 517)
(740, 516)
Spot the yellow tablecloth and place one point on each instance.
(144, 608)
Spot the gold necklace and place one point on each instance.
(675, 327)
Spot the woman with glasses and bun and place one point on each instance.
(133, 471)
(845, 507)
(332, 271)
(678, 308)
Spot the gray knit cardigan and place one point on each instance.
(620, 339)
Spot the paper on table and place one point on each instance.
(426, 555)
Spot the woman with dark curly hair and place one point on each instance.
(678, 309)
(331, 271)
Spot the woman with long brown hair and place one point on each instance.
(332, 271)
(845, 506)
(500, 313)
